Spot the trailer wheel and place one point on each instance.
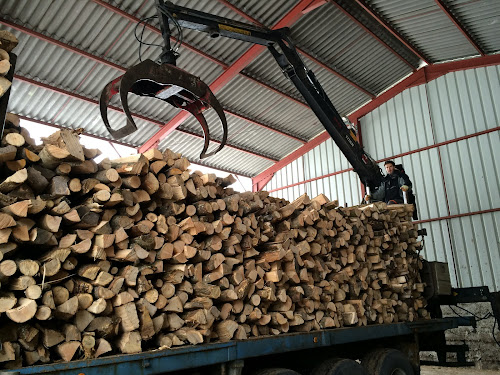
(275, 371)
(387, 362)
(339, 366)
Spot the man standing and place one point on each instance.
(391, 189)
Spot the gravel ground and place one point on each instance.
(436, 370)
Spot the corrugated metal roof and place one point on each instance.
(226, 51)
(481, 19)
(270, 108)
(327, 34)
(425, 25)
(343, 95)
(245, 135)
(264, 11)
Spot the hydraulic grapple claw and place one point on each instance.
(168, 83)
(110, 90)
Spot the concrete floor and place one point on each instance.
(436, 370)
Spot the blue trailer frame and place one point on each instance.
(193, 356)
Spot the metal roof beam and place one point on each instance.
(371, 33)
(290, 18)
(389, 28)
(460, 27)
(158, 123)
(424, 75)
(309, 56)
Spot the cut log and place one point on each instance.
(4, 86)
(24, 311)
(8, 41)
(130, 342)
(67, 350)
(226, 329)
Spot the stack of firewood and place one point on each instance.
(140, 253)
(7, 43)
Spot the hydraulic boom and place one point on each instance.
(283, 50)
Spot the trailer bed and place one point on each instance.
(186, 357)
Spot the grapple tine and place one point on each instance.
(214, 103)
(206, 134)
(127, 82)
(110, 90)
(196, 108)
(168, 83)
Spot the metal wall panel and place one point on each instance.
(460, 177)
(425, 174)
(472, 174)
(437, 246)
(322, 160)
(465, 102)
(400, 125)
(475, 242)
(456, 178)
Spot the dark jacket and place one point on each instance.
(390, 188)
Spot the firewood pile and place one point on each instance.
(7, 43)
(139, 253)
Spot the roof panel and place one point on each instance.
(481, 19)
(343, 95)
(270, 108)
(266, 12)
(223, 49)
(267, 69)
(328, 34)
(246, 135)
(426, 26)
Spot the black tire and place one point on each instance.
(275, 371)
(339, 366)
(387, 362)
